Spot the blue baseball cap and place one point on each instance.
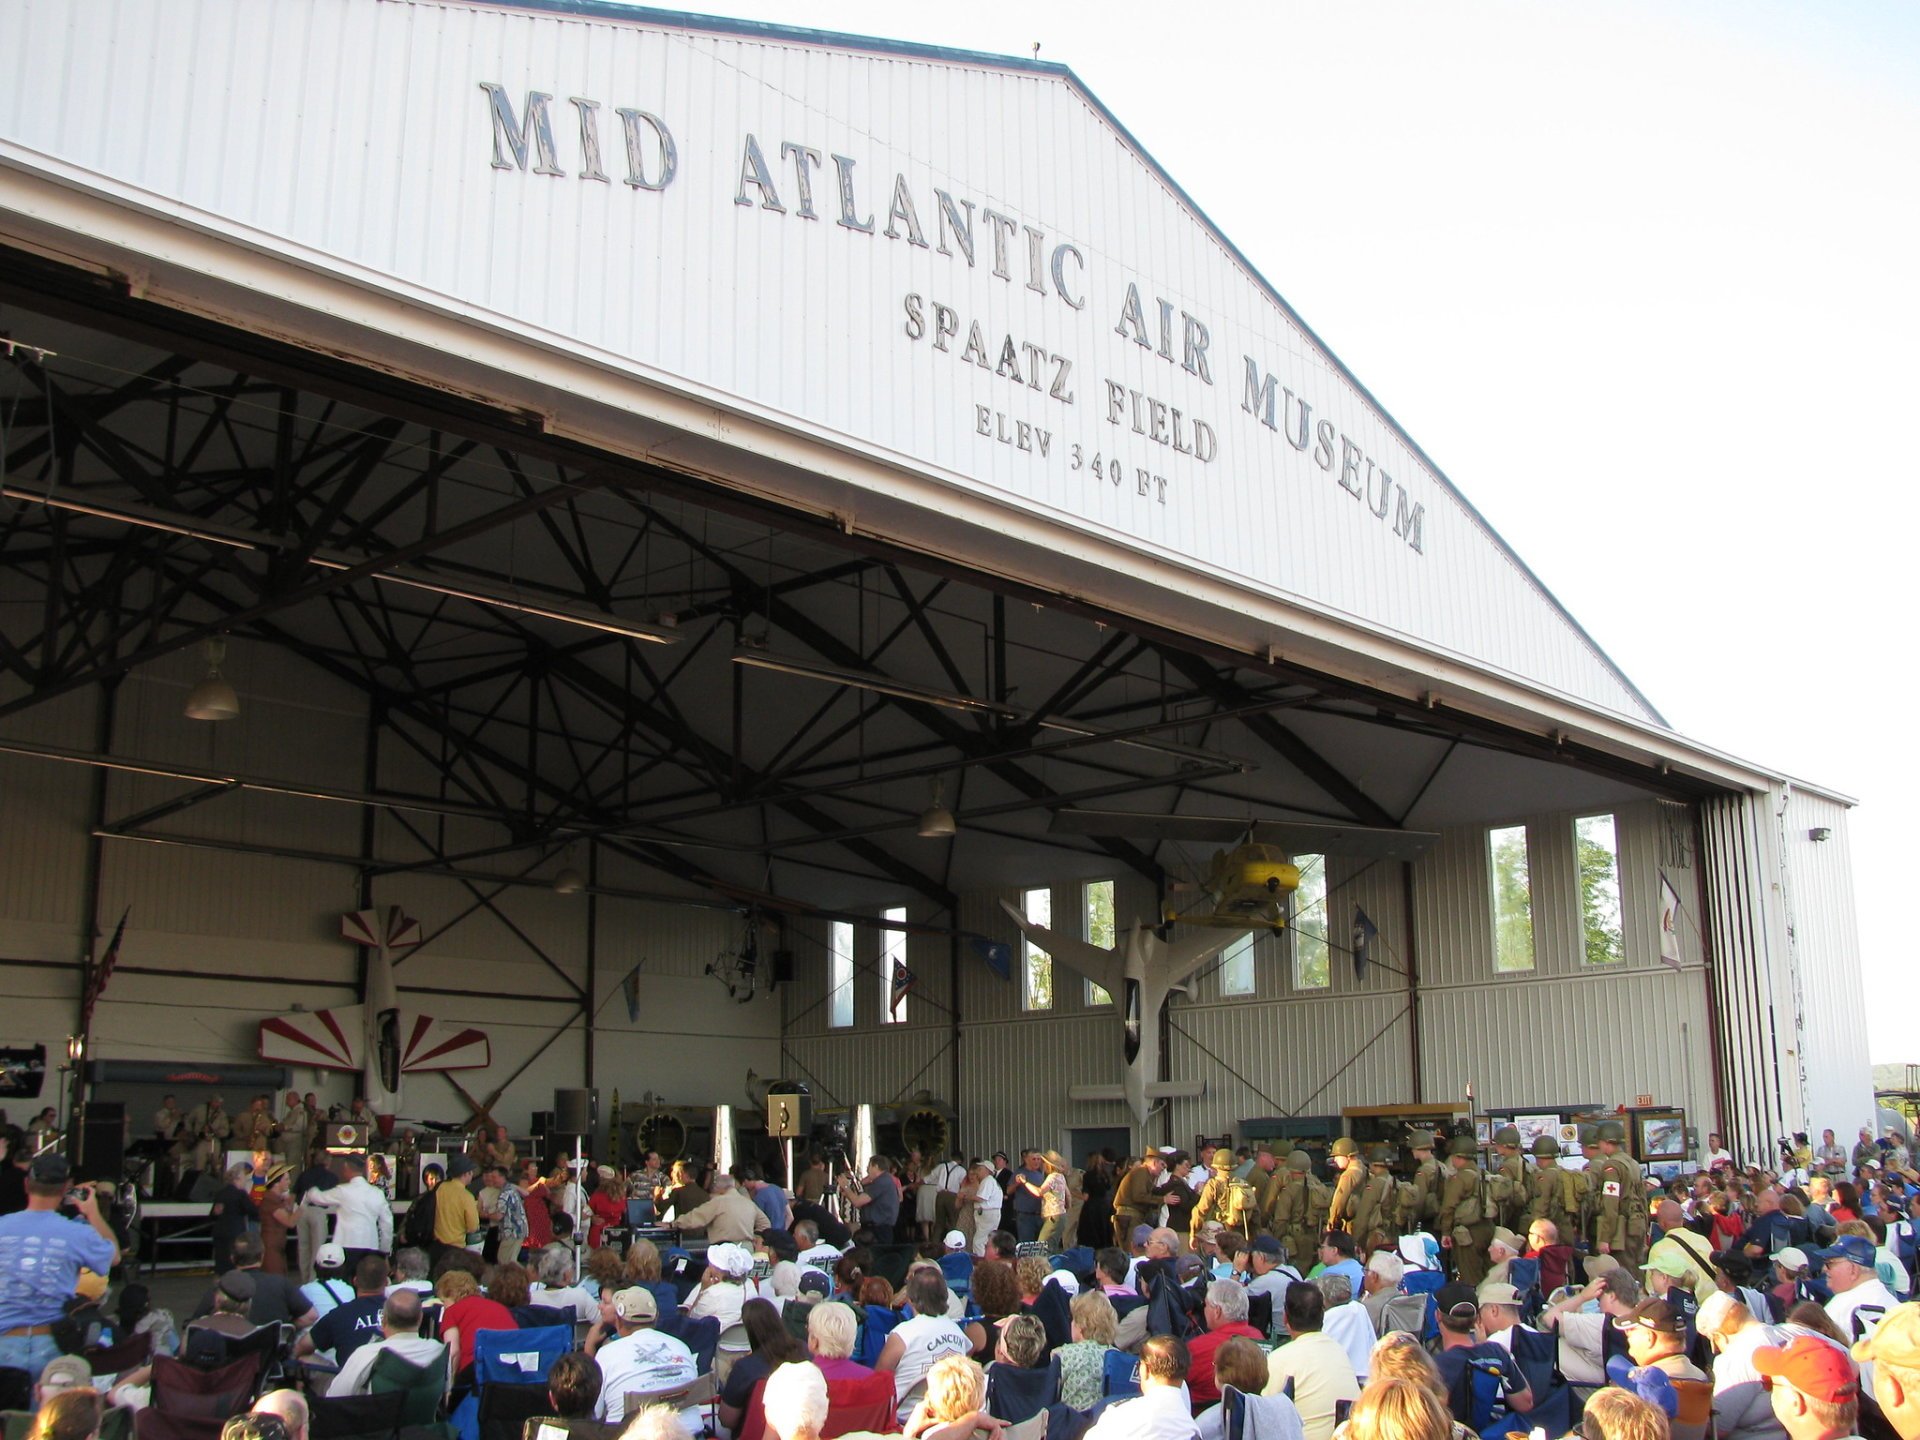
(1856, 1248)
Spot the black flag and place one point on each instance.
(1363, 932)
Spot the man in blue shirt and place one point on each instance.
(771, 1199)
(1023, 1196)
(41, 1256)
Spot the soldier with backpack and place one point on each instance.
(1428, 1178)
(1215, 1197)
(1619, 1198)
(1293, 1213)
(1511, 1179)
(1466, 1212)
(1374, 1207)
(1556, 1193)
(1349, 1176)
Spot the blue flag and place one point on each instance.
(997, 953)
(1363, 932)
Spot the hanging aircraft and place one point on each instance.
(1243, 889)
(377, 1037)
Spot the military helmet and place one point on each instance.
(1611, 1130)
(1345, 1146)
(1222, 1160)
(1507, 1135)
(1462, 1145)
(1546, 1146)
(1420, 1140)
(1299, 1161)
(1380, 1155)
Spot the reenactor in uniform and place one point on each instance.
(1465, 1228)
(1216, 1197)
(1373, 1207)
(1133, 1202)
(1557, 1194)
(253, 1127)
(208, 1126)
(1293, 1214)
(1512, 1177)
(294, 1132)
(166, 1120)
(1428, 1178)
(1346, 1187)
(1619, 1199)
(406, 1157)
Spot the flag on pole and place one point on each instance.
(631, 986)
(997, 953)
(1363, 932)
(903, 981)
(103, 971)
(1670, 949)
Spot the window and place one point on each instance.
(1312, 967)
(1236, 966)
(893, 950)
(1099, 931)
(1512, 898)
(839, 974)
(1598, 853)
(1036, 966)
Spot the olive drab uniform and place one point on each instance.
(1216, 1199)
(1429, 1177)
(1464, 1220)
(1619, 1201)
(253, 1129)
(1375, 1205)
(1294, 1215)
(1511, 1181)
(1133, 1203)
(1556, 1194)
(1346, 1186)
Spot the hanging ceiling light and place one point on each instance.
(569, 881)
(213, 698)
(936, 821)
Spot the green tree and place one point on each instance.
(1599, 889)
(1512, 900)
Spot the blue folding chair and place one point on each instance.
(509, 1357)
(1121, 1377)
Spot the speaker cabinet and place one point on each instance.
(103, 1141)
(573, 1111)
(789, 1112)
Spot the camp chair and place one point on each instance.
(354, 1417)
(1240, 1408)
(1538, 1356)
(1014, 1395)
(1034, 1427)
(552, 1427)
(190, 1403)
(701, 1390)
(860, 1406)
(512, 1360)
(208, 1349)
(423, 1386)
(1405, 1313)
(877, 1322)
(130, 1354)
(701, 1336)
(1260, 1313)
(732, 1347)
(1696, 1405)
(1122, 1375)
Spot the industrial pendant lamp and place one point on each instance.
(936, 821)
(569, 881)
(213, 698)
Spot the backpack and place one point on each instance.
(1499, 1194)
(417, 1229)
(1405, 1206)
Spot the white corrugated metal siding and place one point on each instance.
(1826, 949)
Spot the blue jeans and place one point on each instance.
(27, 1352)
(1026, 1225)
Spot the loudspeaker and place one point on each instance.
(204, 1190)
(103, 1141)
(782, 967)
(574, 1111)
(542, 1123)
(789, 1113)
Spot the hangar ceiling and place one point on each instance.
(585, 646)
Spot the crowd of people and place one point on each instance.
(1171, 1296)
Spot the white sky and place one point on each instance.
(1640, 277)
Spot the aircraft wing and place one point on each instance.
(1178, 960)
(1105, 968)
(428, 1044)
(323, 1039)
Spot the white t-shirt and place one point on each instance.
(924, 1340)
(1854, 1312)
(566, 1297)
(819, 1257)
(644, 1360)
(1160, 1412)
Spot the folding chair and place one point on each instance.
(354, 1417)
(1014, 1395)
(510, 1360)
(116, 1360)
(422, 1386)
(191, 1403)
(1121, 1379)
(860, 1406)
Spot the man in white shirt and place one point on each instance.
(556, 1290)
(1162, 1411)
(1348, 1321)
(641, 1359)
(363, 1217)
(915, 1345)
(399, 1333)
(1860, 1301)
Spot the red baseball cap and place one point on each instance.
(1812, 1366)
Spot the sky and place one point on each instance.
(1639, 277)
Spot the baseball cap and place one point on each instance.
(1669, 1262)
(50, 1169)
(1497, 1294)
(1653, 1315)
(66, 1372)
(1188, 1266)
(1649, 1382)
(955, 1240)
(1854, 1248)
(815, 1282)
(330, 1257)
(237, 1285)
(1793, 1257)
(1896, 1339)
(1140, 1234)
(1266, 1245)
(460, 1165)
(1457, 1297)
(636, 1302)
(1812, 1366)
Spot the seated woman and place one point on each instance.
(996, 1292)
(1241, 1365)
(832, 1329)
(1083, 1362)
(464, 1314)
(954, 1407)
(1021, 1347)
(771, 1346)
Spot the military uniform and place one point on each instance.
(208, 1126)
(253, 1128)
(1429, 1177)
(1216, 1197)
(295, 1131)
(1346, 1185)
(1619, 1199)
(1512, 1177)
(1556, 1194)
(1294, 1215)
(1374, 1205)
(1134, 1203)
(1465, 1229)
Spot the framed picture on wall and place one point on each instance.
(1532, 1127)
(1659, 1135)
(1483, 1133)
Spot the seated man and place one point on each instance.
(399, 1334)
(276, 1299)
(232, 1298)
(638, 1358)
(1464, 1349)
(1347, 1321)
(1318, 1366)
(290, 1406)
(1226, 1317)
(345, 1328)
(1160, 1411)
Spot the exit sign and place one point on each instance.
(1641, 1102)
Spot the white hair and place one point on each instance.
(1336, 1289)
(832, 1329)
(1229, 1297)
(656, 1422)
(795, 1398)
(1388, 1266)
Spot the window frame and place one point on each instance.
(1619, 892)
(1247, 945)
(893, 943)
(1092, 995)
(1525, 831)
(841, 970)
(1297, 933)
(1029, 950)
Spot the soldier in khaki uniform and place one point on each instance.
(1556, 1194)
(1428, 1178)
(1349, 1176)
(1465, 1230)
(1619, 1198)
(1216, 1197)
(208, 1125)
(1293, 1215)
(1373, 1207)
(253, 1127)
(294, 1132)
(1133, 1201)
(1514, 1178)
